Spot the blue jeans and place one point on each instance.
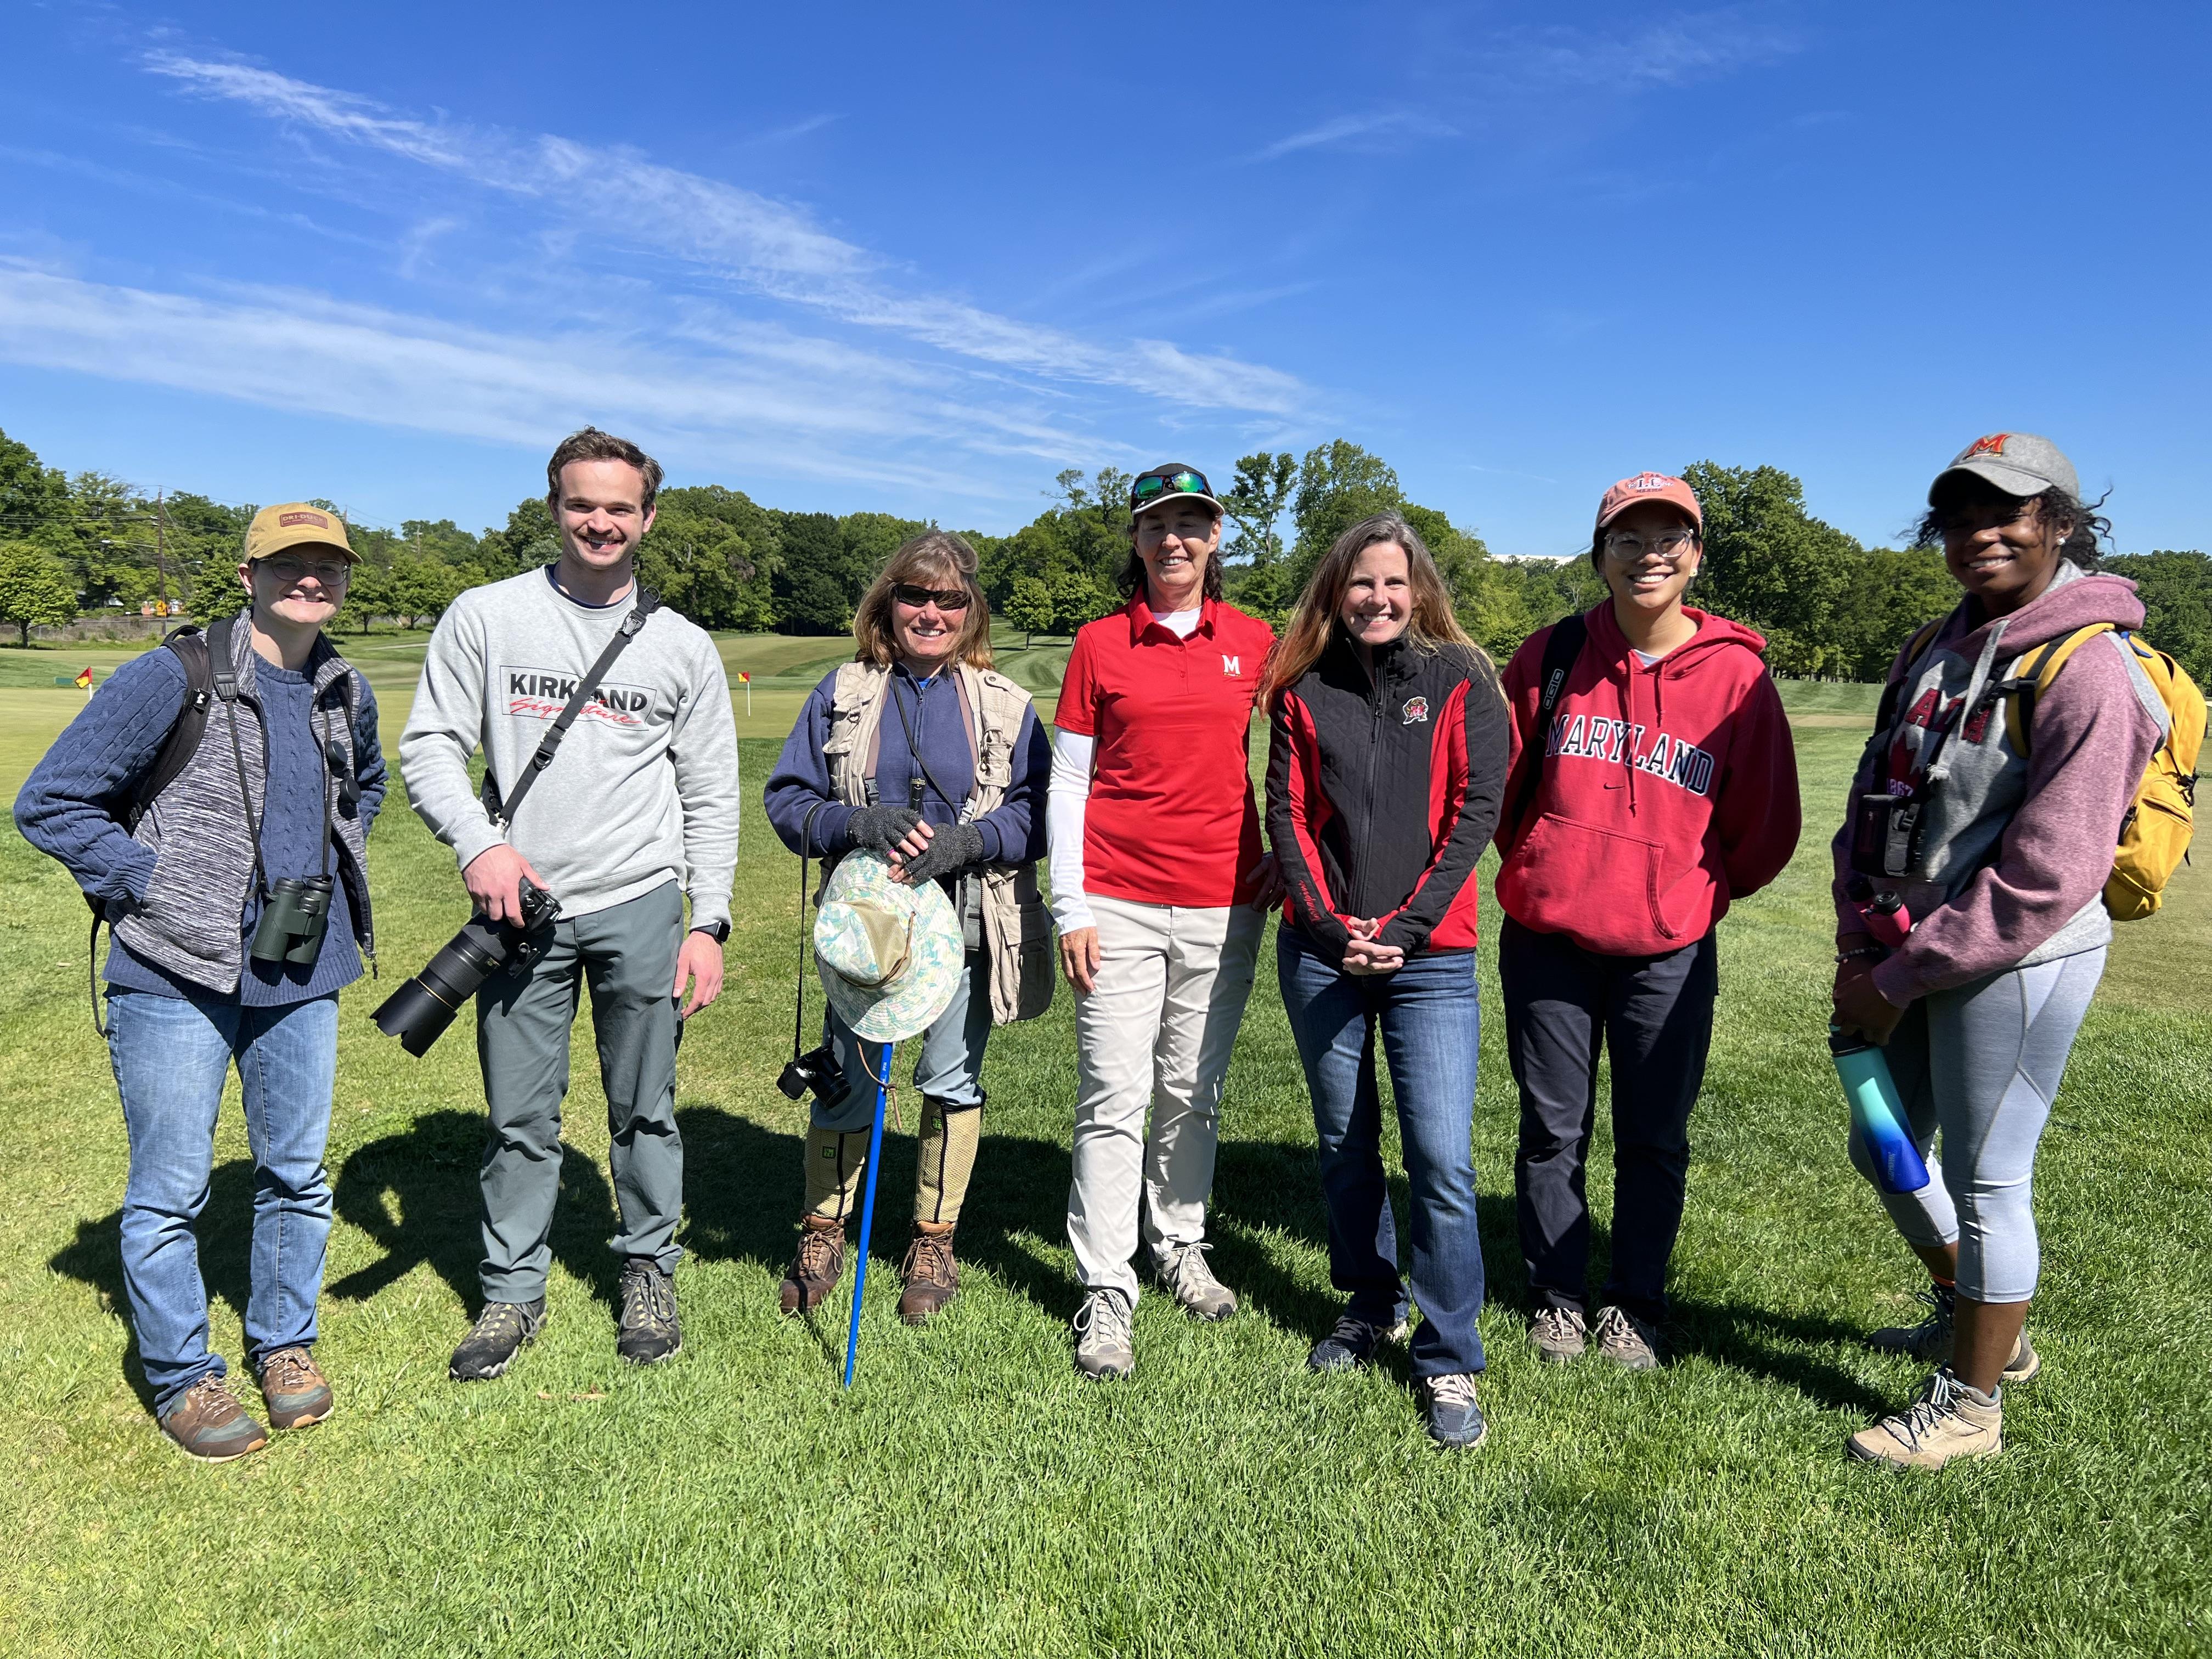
(1431, 1022)
(949, 1067)
(170, 1054)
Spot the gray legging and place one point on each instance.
(1982, 1063)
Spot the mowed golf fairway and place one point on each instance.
(972, 1494)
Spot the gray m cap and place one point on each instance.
(2017, 462)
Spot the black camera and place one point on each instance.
(292, 922)
(818, 1071)
(418, 1012)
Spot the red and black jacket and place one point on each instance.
(1381, 793)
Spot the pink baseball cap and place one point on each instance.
(1649, 487)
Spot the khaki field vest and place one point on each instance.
(1017, 927)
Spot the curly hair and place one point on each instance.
(2085, 525)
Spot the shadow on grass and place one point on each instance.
(1764, 1343)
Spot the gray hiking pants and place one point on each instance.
(626, 955)
(1981, 1063)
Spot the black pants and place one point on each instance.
(1655, 1013)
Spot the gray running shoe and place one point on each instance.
(1932, 1341)
(1104, 1346)
(1352, 1344)
(1184, 1275)
(1455, 1422)
(1627, 1341)
(502, 1330)
(645, 1327)
(1558, 1334)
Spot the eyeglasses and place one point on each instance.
(330, 573)
(946, 598)
(1669, 545)
(1157, 486)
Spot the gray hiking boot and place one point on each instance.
(645, 1327)
(1104, 1346)
(1629, 1342)
(1184, 1275)
(1352, 1344)
(1932, 1340)
(502, 1330)
(1558, 1334)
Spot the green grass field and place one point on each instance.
(970, 1494)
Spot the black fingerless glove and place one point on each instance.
(879, 828)
(952, 848)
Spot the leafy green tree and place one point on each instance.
(1031, 608)
(35, 592)
(422, 587)
(528, 539)
(812, 590)
(1770, 564)
(1339, 484)
(1889, 592)
(2176, 589)
(35, 500)
(1255, 504)
(369, 595)
(1077, 599)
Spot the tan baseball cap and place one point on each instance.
(295, 523)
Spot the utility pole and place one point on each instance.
(161, 549)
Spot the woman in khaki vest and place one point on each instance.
(919, 751)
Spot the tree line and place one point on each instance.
(1830, 606)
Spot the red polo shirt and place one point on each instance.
(1170, 818)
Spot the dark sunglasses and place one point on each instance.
(1155, 485)
(946, 598)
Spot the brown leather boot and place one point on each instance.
(815, 1271)
(932, 1276)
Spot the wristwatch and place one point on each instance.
(717, 931)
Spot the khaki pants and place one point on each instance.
(1157, 1032)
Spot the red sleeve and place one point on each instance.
(1079, 690)
(1759, 813)
(1296, 809)
(1523, 699)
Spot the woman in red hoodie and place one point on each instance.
(1652, 782)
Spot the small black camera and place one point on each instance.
(818, 1071)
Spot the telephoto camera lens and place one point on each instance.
(418, 1012)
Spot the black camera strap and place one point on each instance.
(798, 995)
(586, 688)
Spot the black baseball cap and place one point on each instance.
(1173, 482)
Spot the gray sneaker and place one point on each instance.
(502, 1330)
(1184, 1275)
(1558, 1334)
(1626, 1340)
(1104, 1346)
(1932, 1340)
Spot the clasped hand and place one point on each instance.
(1365, 955)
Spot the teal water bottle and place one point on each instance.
(1877, 1112)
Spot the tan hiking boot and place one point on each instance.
(1931, 1340)
(815, 1271)
(210, 1424)
(932, 1276)
(1558, 1334)
(1629, 1342)
(1949, 1420)
(296, 1388)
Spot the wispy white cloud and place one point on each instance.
(1366, 131)
(766, 247)
(1669, 50)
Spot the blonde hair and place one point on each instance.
(924, 561)
(1432, 628)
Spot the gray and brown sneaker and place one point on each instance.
(502, 1330)
(931, 1275)
(1931, 1340)
(1629, 1342)
(1949, 1419)
(1184, 1275)
(646, 1331)
(295, 1390)
(210, 1424)
(1104, 1346)
(1558, 1335)
(816, 1269)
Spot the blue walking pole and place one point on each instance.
(882, 1075)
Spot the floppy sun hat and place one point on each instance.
(890, 955)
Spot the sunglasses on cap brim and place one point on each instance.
(1157, 487)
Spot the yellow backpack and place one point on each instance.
(2154, 835)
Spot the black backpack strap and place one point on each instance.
(1568, 635)
(586, 688)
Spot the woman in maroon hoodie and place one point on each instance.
(2013, 812)
(1653, 783)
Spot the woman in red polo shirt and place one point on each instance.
(1161, 890)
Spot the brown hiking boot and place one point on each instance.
(932, 1276)
(814, 1272)
(294, 1388)
(209, 1422)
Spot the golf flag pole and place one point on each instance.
(84, 679)
(883, 1076)
(746, 680)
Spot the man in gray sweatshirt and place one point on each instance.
(637, 812)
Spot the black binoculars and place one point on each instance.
(290, 930)
(418, 1012)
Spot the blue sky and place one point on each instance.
(919, 260)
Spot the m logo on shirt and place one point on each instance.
(1232, 667)
(1416, 708)
(543, 693)
(1593, 736)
